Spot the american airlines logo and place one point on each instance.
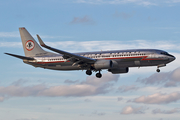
(29, 45)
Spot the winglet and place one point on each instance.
(40, 41)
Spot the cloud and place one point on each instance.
(98, 113)
(17, 35)
(71, 81)
(108, 77)
(173, 1)
(52, 37)
(72, 90)
(159, 111)
(9, 34)
(158, 98)
(19, 82)
(137, 2)
(119, 98)
(123, 15)
(169, 79)
(26, 119)
(133, 110)
(11, 44)
(62, 90)
(147, 3)
(21, 91)
(87, 88)
(84, 20)
(87, 100)
(1, 98)
(125, 88)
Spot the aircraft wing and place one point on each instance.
(66, 55)
(20, 57)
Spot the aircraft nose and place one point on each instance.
(172, 58)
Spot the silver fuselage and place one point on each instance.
(124, 58)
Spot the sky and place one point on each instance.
(28, 93)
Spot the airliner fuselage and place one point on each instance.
(123, 58)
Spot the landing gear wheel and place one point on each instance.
(98, 75)
(158, 70)
(89, 72)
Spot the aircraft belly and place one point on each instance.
(62, 66)
(138, 62)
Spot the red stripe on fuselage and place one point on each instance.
(143, 58)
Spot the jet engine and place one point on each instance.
(119, 70)
(103, 64)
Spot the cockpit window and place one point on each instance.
(165, 53)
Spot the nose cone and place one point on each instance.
(172, 58)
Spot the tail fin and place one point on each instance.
(30, 46)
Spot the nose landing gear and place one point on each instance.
(158, 70)
(161, 65)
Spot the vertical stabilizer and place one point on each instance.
(30, 46)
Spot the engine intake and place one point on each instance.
(119, 70)
(103, 64)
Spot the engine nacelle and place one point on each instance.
(103, 64)
(119, 70)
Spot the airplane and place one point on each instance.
(116, 61)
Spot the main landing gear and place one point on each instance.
(98, 75)
(89, 72)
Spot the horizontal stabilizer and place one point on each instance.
(20, 57)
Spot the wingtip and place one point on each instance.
(40, 41)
